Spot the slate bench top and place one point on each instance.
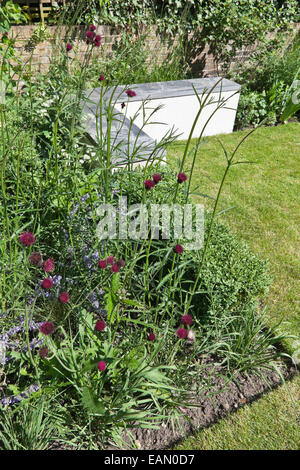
(170, 89)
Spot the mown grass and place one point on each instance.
(265, 200)
(265, 214)
(270, 423)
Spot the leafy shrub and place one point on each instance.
(266, 81)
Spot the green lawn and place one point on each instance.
(267, 424)
(266, 215)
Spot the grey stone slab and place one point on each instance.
(169, 89)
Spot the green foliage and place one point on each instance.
(10, 13)
(52, 184)
(267, 81)
(29, 426)
(253, 108)
(232, 276)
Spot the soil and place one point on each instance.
(225, 398)
(244, 389)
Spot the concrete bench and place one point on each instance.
(177, 106)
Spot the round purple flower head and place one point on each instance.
(181, 177)
(187, 320)
(47, 328)
(149, 184)
(101, 366)
(151, 336)
(182, 333)
(130, 93)
(27, 238)
(178, 249)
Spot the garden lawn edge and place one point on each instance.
(243, 390)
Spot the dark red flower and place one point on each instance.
(101, 78)
(110, 260)
(27, 238)
(130, 93)
(49, 265)
(182, 333)
(43, 352)
(101, 365)
(64, 297)
(156, 178)
(178, 249)
(47, 283)
(69, 47)
(47, 328)
(36, 259)
(187, 319)
(181, 177)
(115, 268)
(100, 325)
(97, 38)
(90, 35)
(102, 263)
(151, 336)
(123, 105)
(149, 184)
(92, 27)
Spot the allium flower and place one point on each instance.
(49, 265)
(182, 333)
(102, 263)
(69, 47)
(64, 297)
(121, 263)
(156, 178)
(43, 352)
(130, 93)
(27, 238)
(47, 328)
(47, 283)
(100, 325)
(110, 260)
(151, 336)
(92, 27)
(181, 177)
(101, 365)
(97, 40)
(178, 249)
(90, 34)
(187, 319)
(149, 184)
(123, 105)
(115, 268)
(101, 78)
(36, 258)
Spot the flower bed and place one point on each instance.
(107, 326)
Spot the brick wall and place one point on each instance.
(201, 59)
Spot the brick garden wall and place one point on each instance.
(202, 60)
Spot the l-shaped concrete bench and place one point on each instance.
(177, 106)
